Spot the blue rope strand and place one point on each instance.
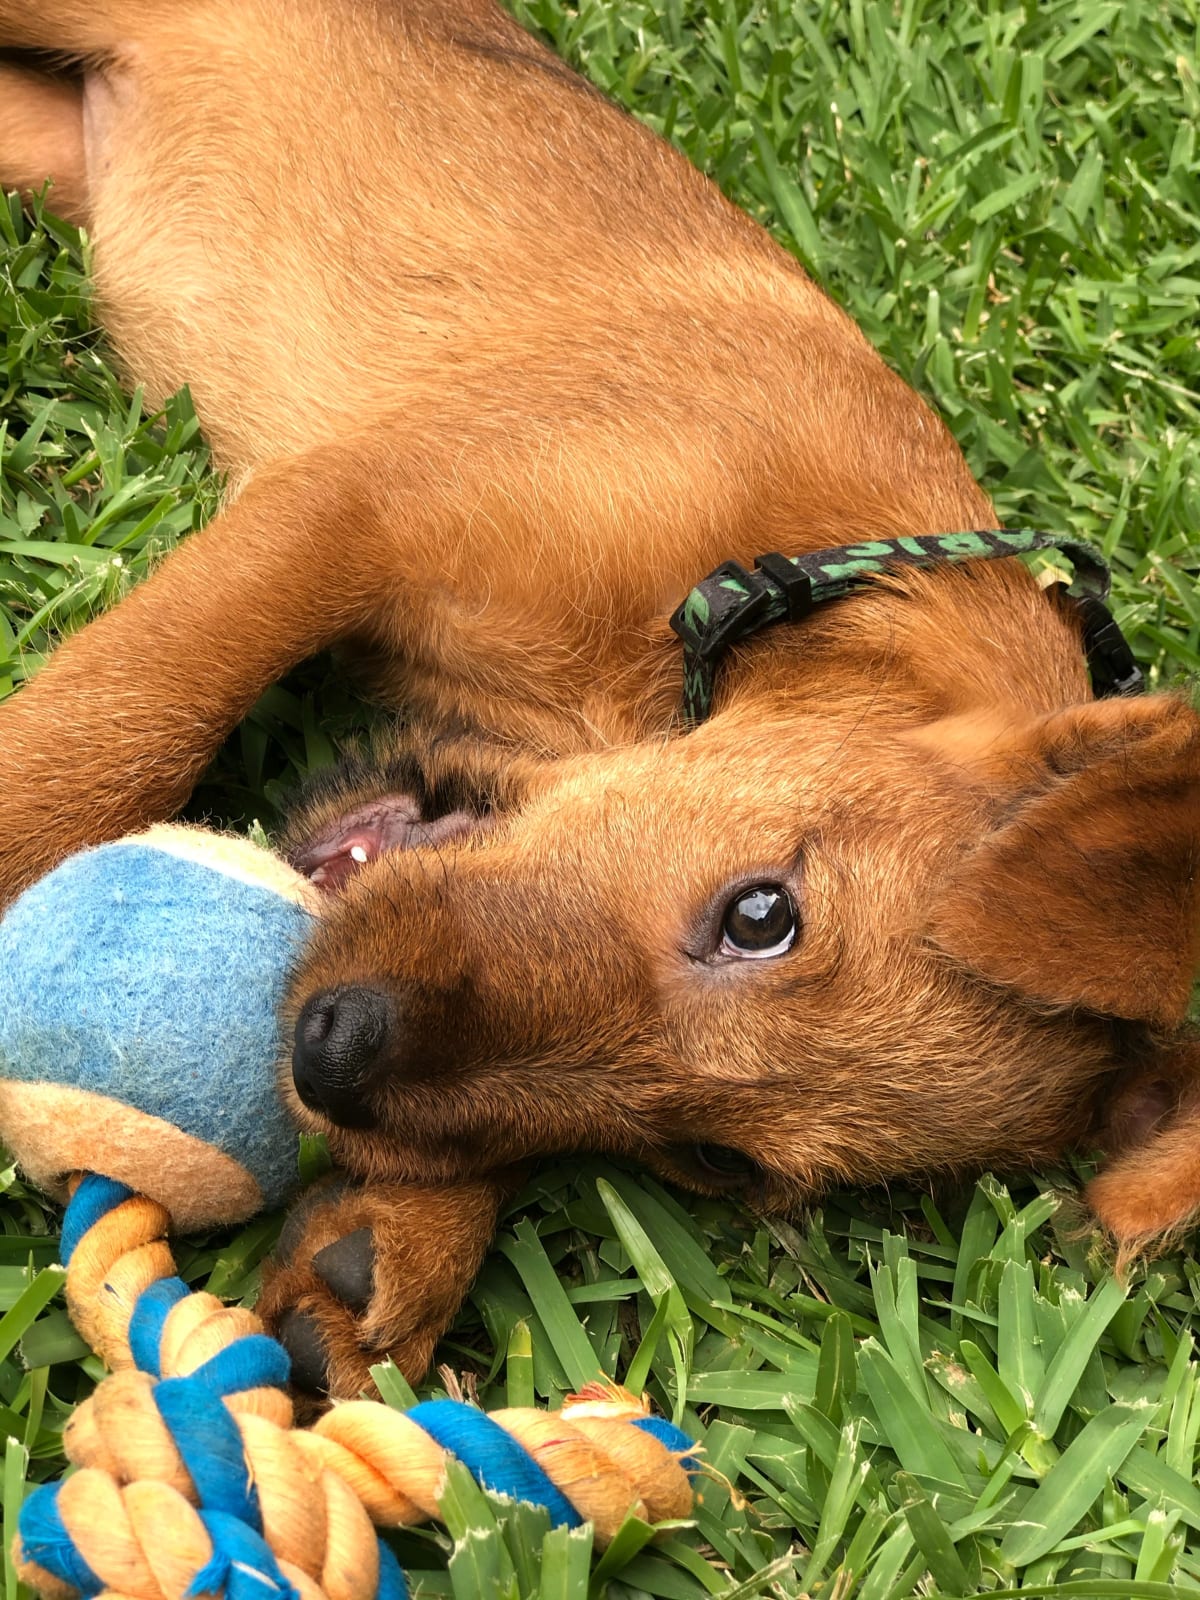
(242, 1565)
(254, 1361)
(392, 1582)
(94, 1198)
(210, 1447)
(44, 1539)
(676, 1441)
(150, 1313)
(494, 1457)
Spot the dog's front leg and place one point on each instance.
(115, 730)
(368, 1271)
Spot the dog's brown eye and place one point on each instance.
(721, 1164)
(761, 921)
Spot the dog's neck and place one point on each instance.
(919, 645)
(733, 604)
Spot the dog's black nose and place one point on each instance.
(340, 1036)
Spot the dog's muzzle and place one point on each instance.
(341, 1038)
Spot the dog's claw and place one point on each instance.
(347, 1269)
(298, 1334)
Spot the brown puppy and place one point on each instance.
(499, 378)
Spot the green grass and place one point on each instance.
(897, 1398)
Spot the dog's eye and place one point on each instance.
(721, 1164)
(761, 921)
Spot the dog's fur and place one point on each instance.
(498, 377)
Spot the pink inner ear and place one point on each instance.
(392, 822)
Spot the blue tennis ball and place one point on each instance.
(139, 989)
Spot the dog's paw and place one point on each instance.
(321, 1331)
(367, 1272)
(337, 1304)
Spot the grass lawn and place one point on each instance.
(899, 1395)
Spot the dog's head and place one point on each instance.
(783, 951)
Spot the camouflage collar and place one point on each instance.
(731, 603)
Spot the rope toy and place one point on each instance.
(190, 1476)
(191, 1479)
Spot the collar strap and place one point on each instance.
(731, 603)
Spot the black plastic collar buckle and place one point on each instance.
(721, 610)
(1110, 660)
(732, 603)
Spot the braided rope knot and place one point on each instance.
(192, 1480)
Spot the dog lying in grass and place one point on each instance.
(498, 379)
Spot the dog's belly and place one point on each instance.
(300, 284)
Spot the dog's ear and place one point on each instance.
(1085, 891)
(1151, 1187)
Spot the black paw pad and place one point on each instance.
(297, 1333)
(347, 1269)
